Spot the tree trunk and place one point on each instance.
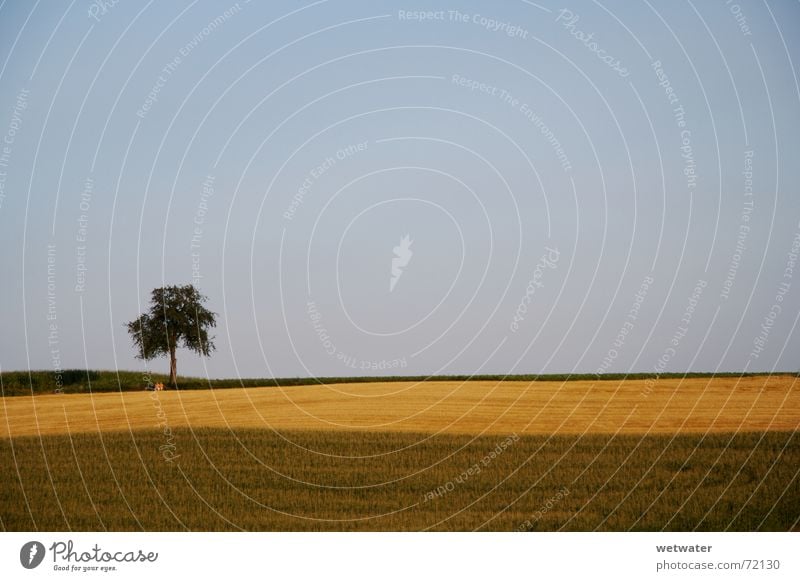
(173, 368)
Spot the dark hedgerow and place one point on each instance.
(98, 381)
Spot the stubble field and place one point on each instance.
(705, 454)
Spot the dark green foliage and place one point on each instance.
(82, 381)
(177, 318)
(259, 480)
(78, 376)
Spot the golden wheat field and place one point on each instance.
(699, 405)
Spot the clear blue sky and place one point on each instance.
(599, 182)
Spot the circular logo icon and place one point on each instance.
(31, 554)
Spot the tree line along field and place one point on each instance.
(40, 382)
(709, 453)
(216, 479)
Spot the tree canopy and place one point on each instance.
(176, 318)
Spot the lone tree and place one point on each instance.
(176, 317)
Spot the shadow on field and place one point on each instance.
(342, 481)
